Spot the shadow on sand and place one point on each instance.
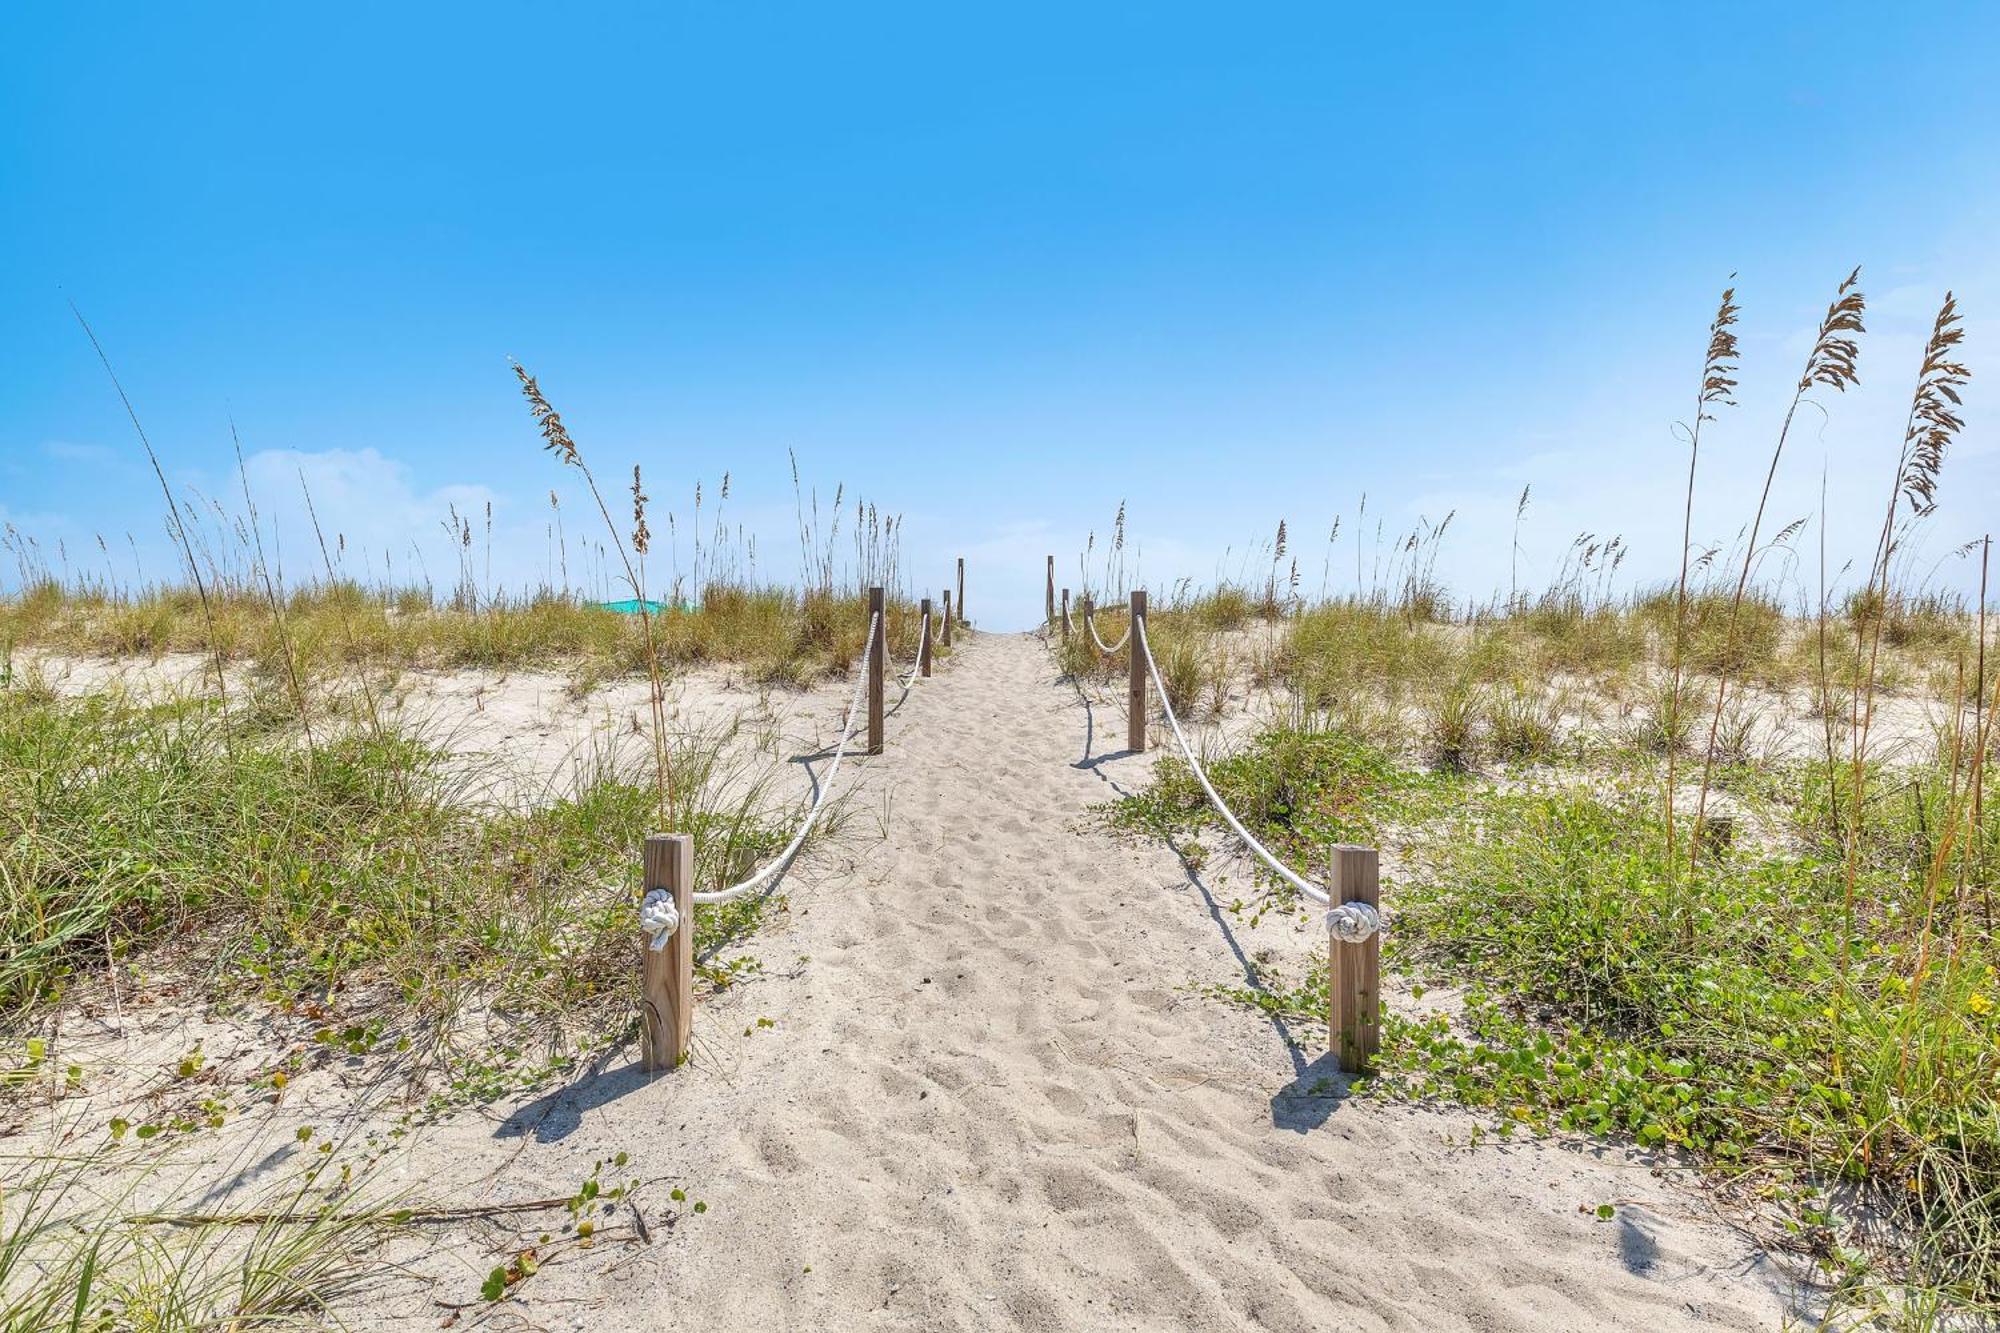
(556, 1114)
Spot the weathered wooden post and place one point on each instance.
(1049, 598)
(1354, 971)
(947, 617)
(961, 591)
(666, 977)
(924, 647)
(1135, 699)
(1065, 613)
(878, 649)
(1718, 834)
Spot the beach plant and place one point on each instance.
(557, 440)
(1831, 363)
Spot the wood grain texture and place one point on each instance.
(880, 620)
(666, 979)
(1354, 971)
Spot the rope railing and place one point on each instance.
(1352, 895)
(1090, 619)
(1284, 872)
(667, 897)
(916, 665)
(791, 849)
(771, 870)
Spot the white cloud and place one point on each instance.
(375, 520)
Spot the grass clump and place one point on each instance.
(362, 861)
(1733, 1009)
(1298, 791)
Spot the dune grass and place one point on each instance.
(359, 864)
(1735, 1010)
(1655, 926)
(774, 635)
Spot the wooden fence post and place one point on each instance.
(947, 617)
(924, 648)
(879, 622)
(666, 976)
(1065, 613)
(961, 591)
(1135, 700)
(1049, 598)
(1354, 971)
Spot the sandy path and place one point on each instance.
(989, 1100)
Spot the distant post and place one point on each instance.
(878, 648)
(961, 590)
(924, 639)
(1049, 615)
(1135, 701)
(1065, 613)
(666, 978)
(947, 617)
(1354, 971)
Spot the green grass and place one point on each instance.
(355, 864)
(1737, 1010)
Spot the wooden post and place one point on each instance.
(880, 621)
(924, 648)
(666, 977)
(961, 592)
(1065, 613)
(1354, 971)
(1049, 598)
(1135, 700)
(947, 617)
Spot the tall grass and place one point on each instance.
(363, 868)
(1807, 999)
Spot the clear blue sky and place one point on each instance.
(998, 270)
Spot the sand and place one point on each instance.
(990, 1096)
(990, 1099)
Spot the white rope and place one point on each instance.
(1353, 923)
(784, 858)
(1305, 886)
(1090, 619)
(659, 917)
(923, 636)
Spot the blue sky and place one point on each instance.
(997, 270)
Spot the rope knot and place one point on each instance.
(659, 917)
(1353, 923)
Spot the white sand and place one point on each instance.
(990, 1100)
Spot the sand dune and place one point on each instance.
(989, 1099)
